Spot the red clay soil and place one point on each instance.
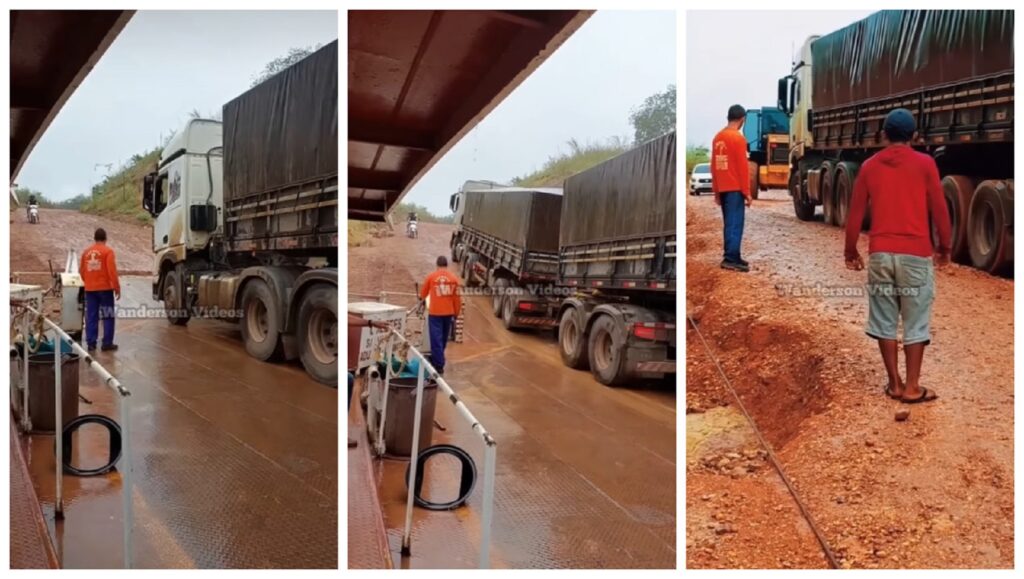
(935, 491)
(60, 229)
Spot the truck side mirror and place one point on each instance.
(783, 100)
(149, 193)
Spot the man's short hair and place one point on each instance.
(442, 261)
(100, 235)
(899, 126)
(736, 112)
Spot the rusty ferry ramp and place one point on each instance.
(585, 473)
(235, 461)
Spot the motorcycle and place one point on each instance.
(410, 230)
(33, 214)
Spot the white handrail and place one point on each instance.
(110, 381)
(490, 446)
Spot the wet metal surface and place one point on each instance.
(586, 473)
(235, 460)
(31, 547)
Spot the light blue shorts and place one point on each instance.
(900, 286)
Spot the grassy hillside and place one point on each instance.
(579, 157)
(120, 193)
(23, 193)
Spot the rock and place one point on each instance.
(732, 455)
(724, 529)
(707, 497)
(840, 499)
(902, 414)
(869, 443)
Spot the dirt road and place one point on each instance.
(235, 460)
(935, 491)
(61, 229)
(586, 473)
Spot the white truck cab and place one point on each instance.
(186, 192)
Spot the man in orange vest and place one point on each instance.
(730, 180)
(98, 269)
(445, 304)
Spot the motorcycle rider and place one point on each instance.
(28, 209)
(412, 221)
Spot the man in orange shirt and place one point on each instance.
(445, 304)
(98, 269)
(730, 181)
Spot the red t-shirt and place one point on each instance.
(903, 189)
(729, 169)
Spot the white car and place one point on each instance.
(700, 179)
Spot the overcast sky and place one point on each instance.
(737, 57)
(585, 90)
(161, 67)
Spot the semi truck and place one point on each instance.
(246, 217)
(608, 287)
(953, 69)
(767, 134)
(507, 239)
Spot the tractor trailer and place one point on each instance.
(246, 217)
(953, 69)
(608, 285)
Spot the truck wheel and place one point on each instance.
(828, 198)
(803, 207)
(958, 191)
(261, 331)
(498, 295)
(173, 296)
(508, 311)
(572, 342)
(606, 348)
(987, 221)
(846, 173)
(752, 169)
(467, 270)
(318, 330)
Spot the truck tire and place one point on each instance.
(572, 340)
(508, 311)
(987, 222)
(846, 174)
(606, 350)
(468, 266)
(828, 199)
(498, 296)
(803, 207)
(752, 168)
(958, 191)
(173, 297)
(318, 333)
(261, 330)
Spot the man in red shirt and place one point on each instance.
(98, 269)
(902, 188)
(442, 286)
(730, 181)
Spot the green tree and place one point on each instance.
(695, 154)
(655, 117)
(282, 62)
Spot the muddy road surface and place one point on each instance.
(585, 473)
(934, 491)
(58, 230)
(235, 460)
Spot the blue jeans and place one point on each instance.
(99, 306)
(733, 209)
(440, 330)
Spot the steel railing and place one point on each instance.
(426, 371)
(125, 463)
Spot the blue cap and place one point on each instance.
(899, 125)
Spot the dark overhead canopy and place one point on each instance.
(52, 51)
(419, 80)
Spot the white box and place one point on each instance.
(370, 338)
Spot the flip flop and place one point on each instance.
(889, 393)
(926, 396)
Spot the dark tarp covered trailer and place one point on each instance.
(284, 131)
(630, 196)
(894, 52)
(527, 218)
